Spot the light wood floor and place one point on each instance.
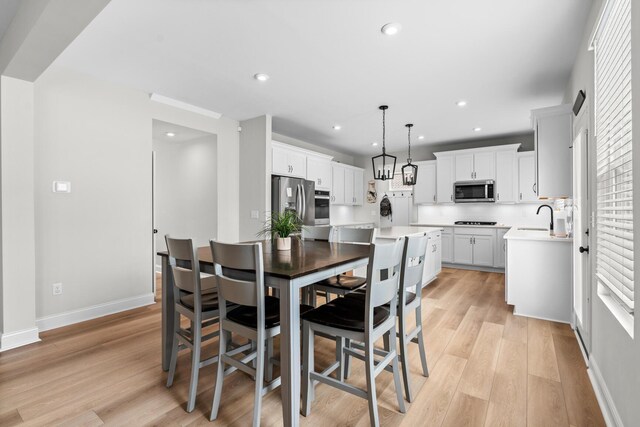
(488, 367)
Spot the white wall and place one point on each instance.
(514, 215)
(186, 190)
(97, 240)
(615, 356)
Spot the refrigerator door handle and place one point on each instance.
(304, 202)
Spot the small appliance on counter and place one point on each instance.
(475, 223)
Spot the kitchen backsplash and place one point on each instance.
(521, 214)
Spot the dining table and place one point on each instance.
(307, 262)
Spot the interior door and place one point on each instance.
(581, 276)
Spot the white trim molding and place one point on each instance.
(18, 339)
(93, 312)
(183, 105)
(607, 406)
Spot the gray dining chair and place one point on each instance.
(239, 276)
(196, 299)
(361, 321)
(323, 233)
(343, 284)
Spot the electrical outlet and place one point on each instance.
(57, 288)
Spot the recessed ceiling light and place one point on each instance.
(391, 28)
(477, 129)
(261, 77)
(337, 127)
(421, 137)
(375, 144)
(461, 103)
(170, 134)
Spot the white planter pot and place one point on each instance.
(283, 243)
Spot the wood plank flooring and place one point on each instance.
(488, 368)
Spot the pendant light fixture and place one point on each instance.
(384, 165)
(409, 171)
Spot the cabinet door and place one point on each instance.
(446, 248)
(279, 161)
(436, 242)
(348, 186)
(463, 249)
(505, 190)
(358, 187)
(298, 163)
(483, 250)
(464, 167)
(484, 165)
(429, 271)
(424, 192)
(553, 136)
(337, 185)
(319, 171)
(444, 179)
(527, 178)
(500, 248)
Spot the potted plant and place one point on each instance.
(280, 227)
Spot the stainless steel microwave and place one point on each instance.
(474, 191)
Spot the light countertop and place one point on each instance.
(517, 233)
(352, 223)
(431, 224)
(402, 231)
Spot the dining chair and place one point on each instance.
(323, 233)
(239, 274)
(356, 320)
(196, 299)
(343, 284)
(409, 300)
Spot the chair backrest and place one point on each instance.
(383, 274)
(185, 266)
(239, 272)
(413, 258)
(353, 235)
(321, 233)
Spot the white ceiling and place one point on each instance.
(8, 10)
(182, 134)
(329, 63)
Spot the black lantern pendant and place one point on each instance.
(409, 171)
(384, 165)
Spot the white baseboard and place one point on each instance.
(18, 339)
(608, 408)
(93, 312)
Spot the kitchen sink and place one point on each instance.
(532, 229)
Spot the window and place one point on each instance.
(614, 174)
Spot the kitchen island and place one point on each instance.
(538, 274)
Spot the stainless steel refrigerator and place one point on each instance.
(294, 194)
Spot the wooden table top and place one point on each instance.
(305, 257)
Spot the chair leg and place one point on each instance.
(423, 354)
(371, 383)
(307, 368)
(217, 391)
(396, 374)
(196, 333)
(260, 359)
(340, 358)
(347, 359)
(269, 364)
(174, 351)
(404, 359)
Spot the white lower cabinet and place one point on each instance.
(474, 246)
(500, 248)
(463, 249)
(446, 247)
(433, 258)
(483, 250)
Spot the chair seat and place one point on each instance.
(360, 294)
(345, 313)
(248, 316)
(343, 282)
(209, 301)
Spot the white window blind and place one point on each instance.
(614, 215)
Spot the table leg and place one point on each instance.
(290, 353)
(167, 312)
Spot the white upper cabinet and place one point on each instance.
(553, 137)
(475, 166)
(337, 184)
(319, 171)
(506, 183)
(358, 186)
(527, 177)
(445, 176)
(347, 185)
(288, 161)
(424, 192)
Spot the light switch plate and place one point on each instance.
(61, 187)
(255, 214)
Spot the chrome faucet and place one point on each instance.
(550, 210)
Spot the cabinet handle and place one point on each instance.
(434, 197)
(534, 187)
(498, 194)
(452, 197)
(471, 240)
(520, 196)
